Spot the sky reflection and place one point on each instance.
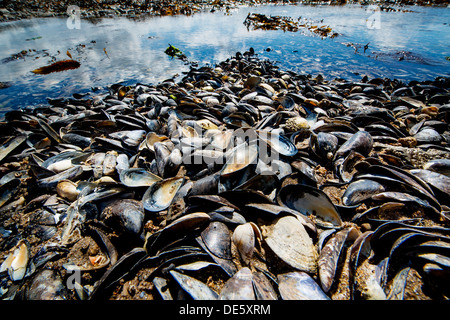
(135, 49)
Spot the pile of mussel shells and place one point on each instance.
(239, 181)
(255, 21)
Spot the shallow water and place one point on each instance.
(112, 50)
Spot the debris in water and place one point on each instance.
(58, 67)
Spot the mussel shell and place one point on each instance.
(299, 285)
(72, 157)
(77, 139)
(263, 288)
(195, 288)
(8, 190)
(159, 196)
(219, 140)
(329, 256)
(289, 240)
(138, 177)
(239, 158)
(346, 167)
(49, 131)
(360, 142)
(67, 189)
(162, 286)
(47, 284)
(265, 183)
(238, 120)
(68, 174)
(189, 225)
(359, 250)
(244, 239)
(278, 143)
(239, 287)
(441, 166)
(125, 215)
(403, 178)
(131, 138)
(406, 198)
(305, 174)
(17, 261)
(116, 272)
(217, 238)
(151, 139)
(206, 185)
(324, 145)
(399, 284)
(439, 181)
(234, 180)
(428, 135)
(242, 197)
(209, 202)
(384, 237)
(270, 211)
(361, 190)
(402, 246)
(227, 215)
(10, 145)
(310, 201)
(13, 175)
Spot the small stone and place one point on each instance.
(356, 89)
(296, 123)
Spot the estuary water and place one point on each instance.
(412, 43)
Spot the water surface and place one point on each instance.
(407, 46)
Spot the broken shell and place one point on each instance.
(8, 190)
(17, 262)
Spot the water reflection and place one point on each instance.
(114, 50)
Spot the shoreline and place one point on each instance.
(15, 10)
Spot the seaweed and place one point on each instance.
(58, 67)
